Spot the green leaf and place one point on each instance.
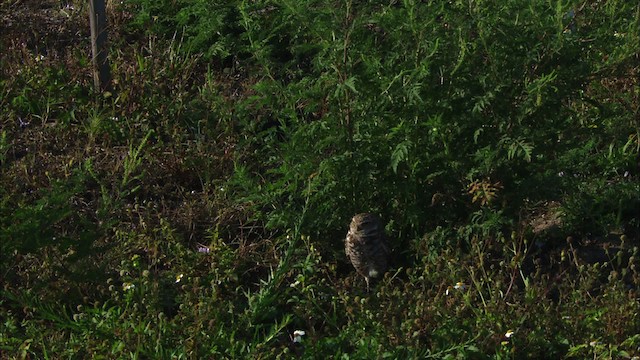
(400, 154)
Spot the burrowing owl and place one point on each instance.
(366, 247)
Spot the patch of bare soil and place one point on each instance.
(548, 219)
(44, 27)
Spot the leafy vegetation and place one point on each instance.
(198, 210)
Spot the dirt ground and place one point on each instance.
(42, 27)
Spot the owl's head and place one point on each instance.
(365, 224)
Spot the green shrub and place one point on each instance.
(402, 107)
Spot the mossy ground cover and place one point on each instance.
(198, 209)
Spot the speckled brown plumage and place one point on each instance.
(366, 246)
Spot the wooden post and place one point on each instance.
(98, 22)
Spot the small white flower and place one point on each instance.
(128, 286)
(179, 277)
(509, 334)
(297, 336)
(594, 343)
(458, 286)
(295, 284)
(39, 58)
